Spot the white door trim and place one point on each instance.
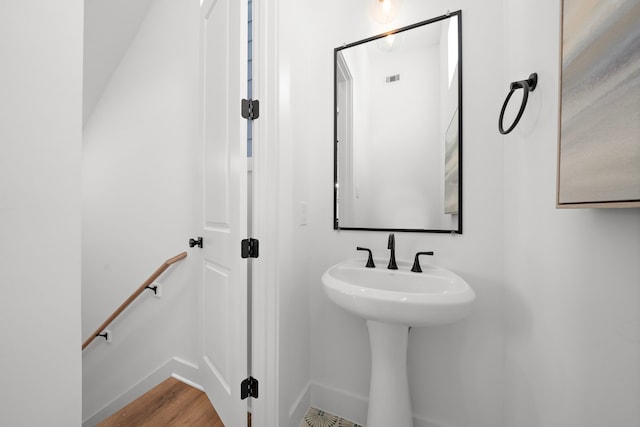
(265, 340)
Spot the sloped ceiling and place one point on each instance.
(109, 28)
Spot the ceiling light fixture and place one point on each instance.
(384, 11)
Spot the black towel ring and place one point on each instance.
(528, 85)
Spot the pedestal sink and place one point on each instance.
(391, 301)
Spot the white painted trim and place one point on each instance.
(177, 368)
(353, 407)
(300, 406)
(187, 382)
(344, 404)
(346, 191)
(265, 339)
(206, 5)
(427, 422)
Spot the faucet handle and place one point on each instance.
(370, 263)
(416, 263)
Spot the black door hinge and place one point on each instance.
(196, 242)
(250, 248)
(250, 109)
(249, 388)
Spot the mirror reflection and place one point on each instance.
(398, 137)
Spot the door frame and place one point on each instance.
(265, 293)
(345, 195)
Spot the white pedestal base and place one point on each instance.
(389, 401)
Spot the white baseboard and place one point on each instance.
(177, 368)
(338, 402)
(426, 422)
(353, 407)
(300, 406)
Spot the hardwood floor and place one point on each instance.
(171, 403)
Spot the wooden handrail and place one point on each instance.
(133, 296)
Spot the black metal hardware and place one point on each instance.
(196, 242)
(104, 335)
(153, 288)
(528, 85)
(250, 109)
(250, 248)
(249, 388)
(416, 263)
(370, 263)
(392, 245)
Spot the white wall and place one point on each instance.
(293, 249)
(572, 294)
(553, 340)
(139, 179)
(40, 157)
(394, 142)
(450, 367)
(390, 137)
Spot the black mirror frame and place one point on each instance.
(336, 225)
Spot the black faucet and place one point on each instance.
(392, 245)
(416, 263)
(370, 263)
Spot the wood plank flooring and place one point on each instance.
(171, 403)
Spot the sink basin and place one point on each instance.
(435, 296)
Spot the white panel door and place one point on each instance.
(223, 295)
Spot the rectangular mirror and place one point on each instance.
(398, 129)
